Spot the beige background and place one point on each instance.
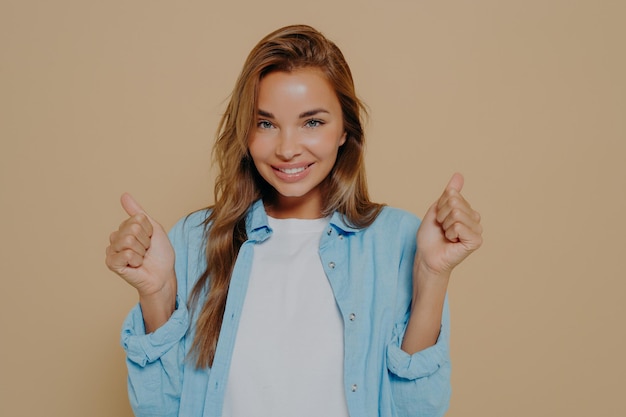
(526, 98)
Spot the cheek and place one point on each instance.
(255, 148)
(331, 155)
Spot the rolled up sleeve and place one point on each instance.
(420, 382)
(142, 348)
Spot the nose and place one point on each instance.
(288, 145)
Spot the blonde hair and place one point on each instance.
(239, 185)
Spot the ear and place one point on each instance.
(343, 138)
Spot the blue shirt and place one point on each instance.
(370, 272)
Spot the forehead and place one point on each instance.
(298, 88)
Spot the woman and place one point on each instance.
(293, 294)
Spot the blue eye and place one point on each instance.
(313, 123)
(264, 124)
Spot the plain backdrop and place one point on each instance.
(526, 98)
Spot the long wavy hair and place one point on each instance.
(238, 184)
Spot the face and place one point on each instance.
(294, 144)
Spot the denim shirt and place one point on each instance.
(370, 272)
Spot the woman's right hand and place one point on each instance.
(141, 253)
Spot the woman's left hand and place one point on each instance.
(449, 232)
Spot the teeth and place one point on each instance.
(291, 171)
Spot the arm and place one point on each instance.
(449, 233)
(429, 293)
(153, 334)
(420, 381)
(420, 369)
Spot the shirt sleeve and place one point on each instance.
(155, 361)
(420, 383)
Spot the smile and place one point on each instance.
(292, 171)
(292, 174)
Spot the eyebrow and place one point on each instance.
(307, 113)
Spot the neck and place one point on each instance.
(304, 207)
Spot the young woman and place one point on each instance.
(294, 294)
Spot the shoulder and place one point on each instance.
(190, 228)
(396, 219)
(392, 236)
(394, 228)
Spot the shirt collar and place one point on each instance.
(339, 222)
(257, 225)
(258, 228)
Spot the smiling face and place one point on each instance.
(294, 143)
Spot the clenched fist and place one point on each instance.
(449, 232)
(141, 253)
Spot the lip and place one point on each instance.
(292, 173)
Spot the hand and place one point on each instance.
(140, 252)
(450, 231)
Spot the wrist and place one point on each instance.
(425, 277)
(161, 287)
(157, 307)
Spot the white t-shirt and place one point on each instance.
(288, 355)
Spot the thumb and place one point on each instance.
(130, 205)
(456, 182)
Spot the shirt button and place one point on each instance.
(352, 316)
(340, 237)
(331, 265)
(329, 231)
(354, 387)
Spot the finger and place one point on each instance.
(453, 189)
(119, 261)
(128, 242)
(449, 203)
(132, 208)
(459, 232)
(130, 205)
(459, 216)
(140, 227)
(452, 206)
(456, 182)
